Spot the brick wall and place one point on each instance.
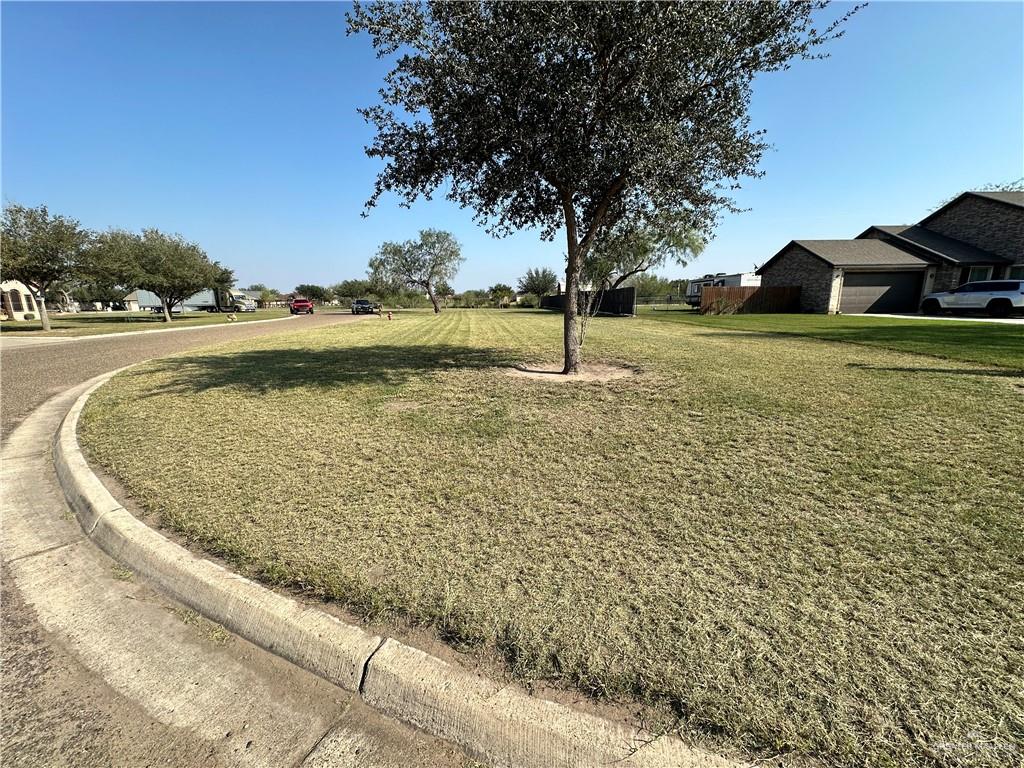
(986, 224)
(818, 281)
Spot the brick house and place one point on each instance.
(976, 236)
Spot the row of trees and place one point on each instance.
(55, 255)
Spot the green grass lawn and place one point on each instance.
(92, 323)
(780, 544)
(989, 343)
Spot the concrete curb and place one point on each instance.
(500, 725)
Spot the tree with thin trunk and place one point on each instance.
(541, 282)
(425, 263)
(574, 116)
(41, 250)
(630, 249)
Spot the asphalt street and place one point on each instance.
(55, 709)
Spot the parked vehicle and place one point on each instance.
(301, 307)
(244, 304)
(364, 307)
(998, 298)
(695, 287)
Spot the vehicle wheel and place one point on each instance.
(311, 311)
(931, 307)
(999, 307)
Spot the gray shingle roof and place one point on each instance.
(940, 245)
(1013, 198)
(861, 253)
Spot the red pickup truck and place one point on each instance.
(301, 307)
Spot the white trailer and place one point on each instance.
(739, 279)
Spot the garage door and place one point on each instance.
(880, 292)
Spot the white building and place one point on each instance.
(18, 301)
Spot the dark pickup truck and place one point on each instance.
(364, 307)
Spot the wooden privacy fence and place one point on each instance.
(615, 301)
(733, 300)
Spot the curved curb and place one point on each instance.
(498, 724)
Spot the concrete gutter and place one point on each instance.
(499, 724)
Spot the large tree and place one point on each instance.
(423, 263)
(168, 266)
(576, 115)
(540, 281)
(41, 250)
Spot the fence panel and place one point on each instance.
(734, 300)
(620, 301)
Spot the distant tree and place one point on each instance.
(473, 298)
(647, 285)
(423, 263)
(352, 289)
(541, 281)
(256, 288)
(995, 186)
(629, 249)
(312, 292)
(41, 250)
(501, 294)
(575, 116)
(444, 292)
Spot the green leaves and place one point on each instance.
(40, 249)
(538, 281)
(434, 258)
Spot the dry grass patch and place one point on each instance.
(784, 545)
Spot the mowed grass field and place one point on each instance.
(93, 323)
(981, 342)
(779, 544)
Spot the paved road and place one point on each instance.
(55, 706)
(30, 374)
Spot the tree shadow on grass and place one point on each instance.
(1008, 373)
(268, 370)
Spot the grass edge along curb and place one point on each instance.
(493, 722)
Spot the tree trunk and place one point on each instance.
(570, 329)
(167, 310)
(43, 315)
(433, 299)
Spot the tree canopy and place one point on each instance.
(313, 292)
(41, 249)
(168, 266)
(541, 282)
(576, 115)
(629, 249)
(424, 263)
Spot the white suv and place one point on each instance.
(998, 298)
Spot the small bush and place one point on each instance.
(29, 316)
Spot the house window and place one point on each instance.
(1016, 273)
(30, 305)
(979, 273)
(16, 304)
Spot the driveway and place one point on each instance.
(98, 671)
(959, 318)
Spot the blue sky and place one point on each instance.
(235, 125)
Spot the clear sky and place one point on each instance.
(235, 125)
